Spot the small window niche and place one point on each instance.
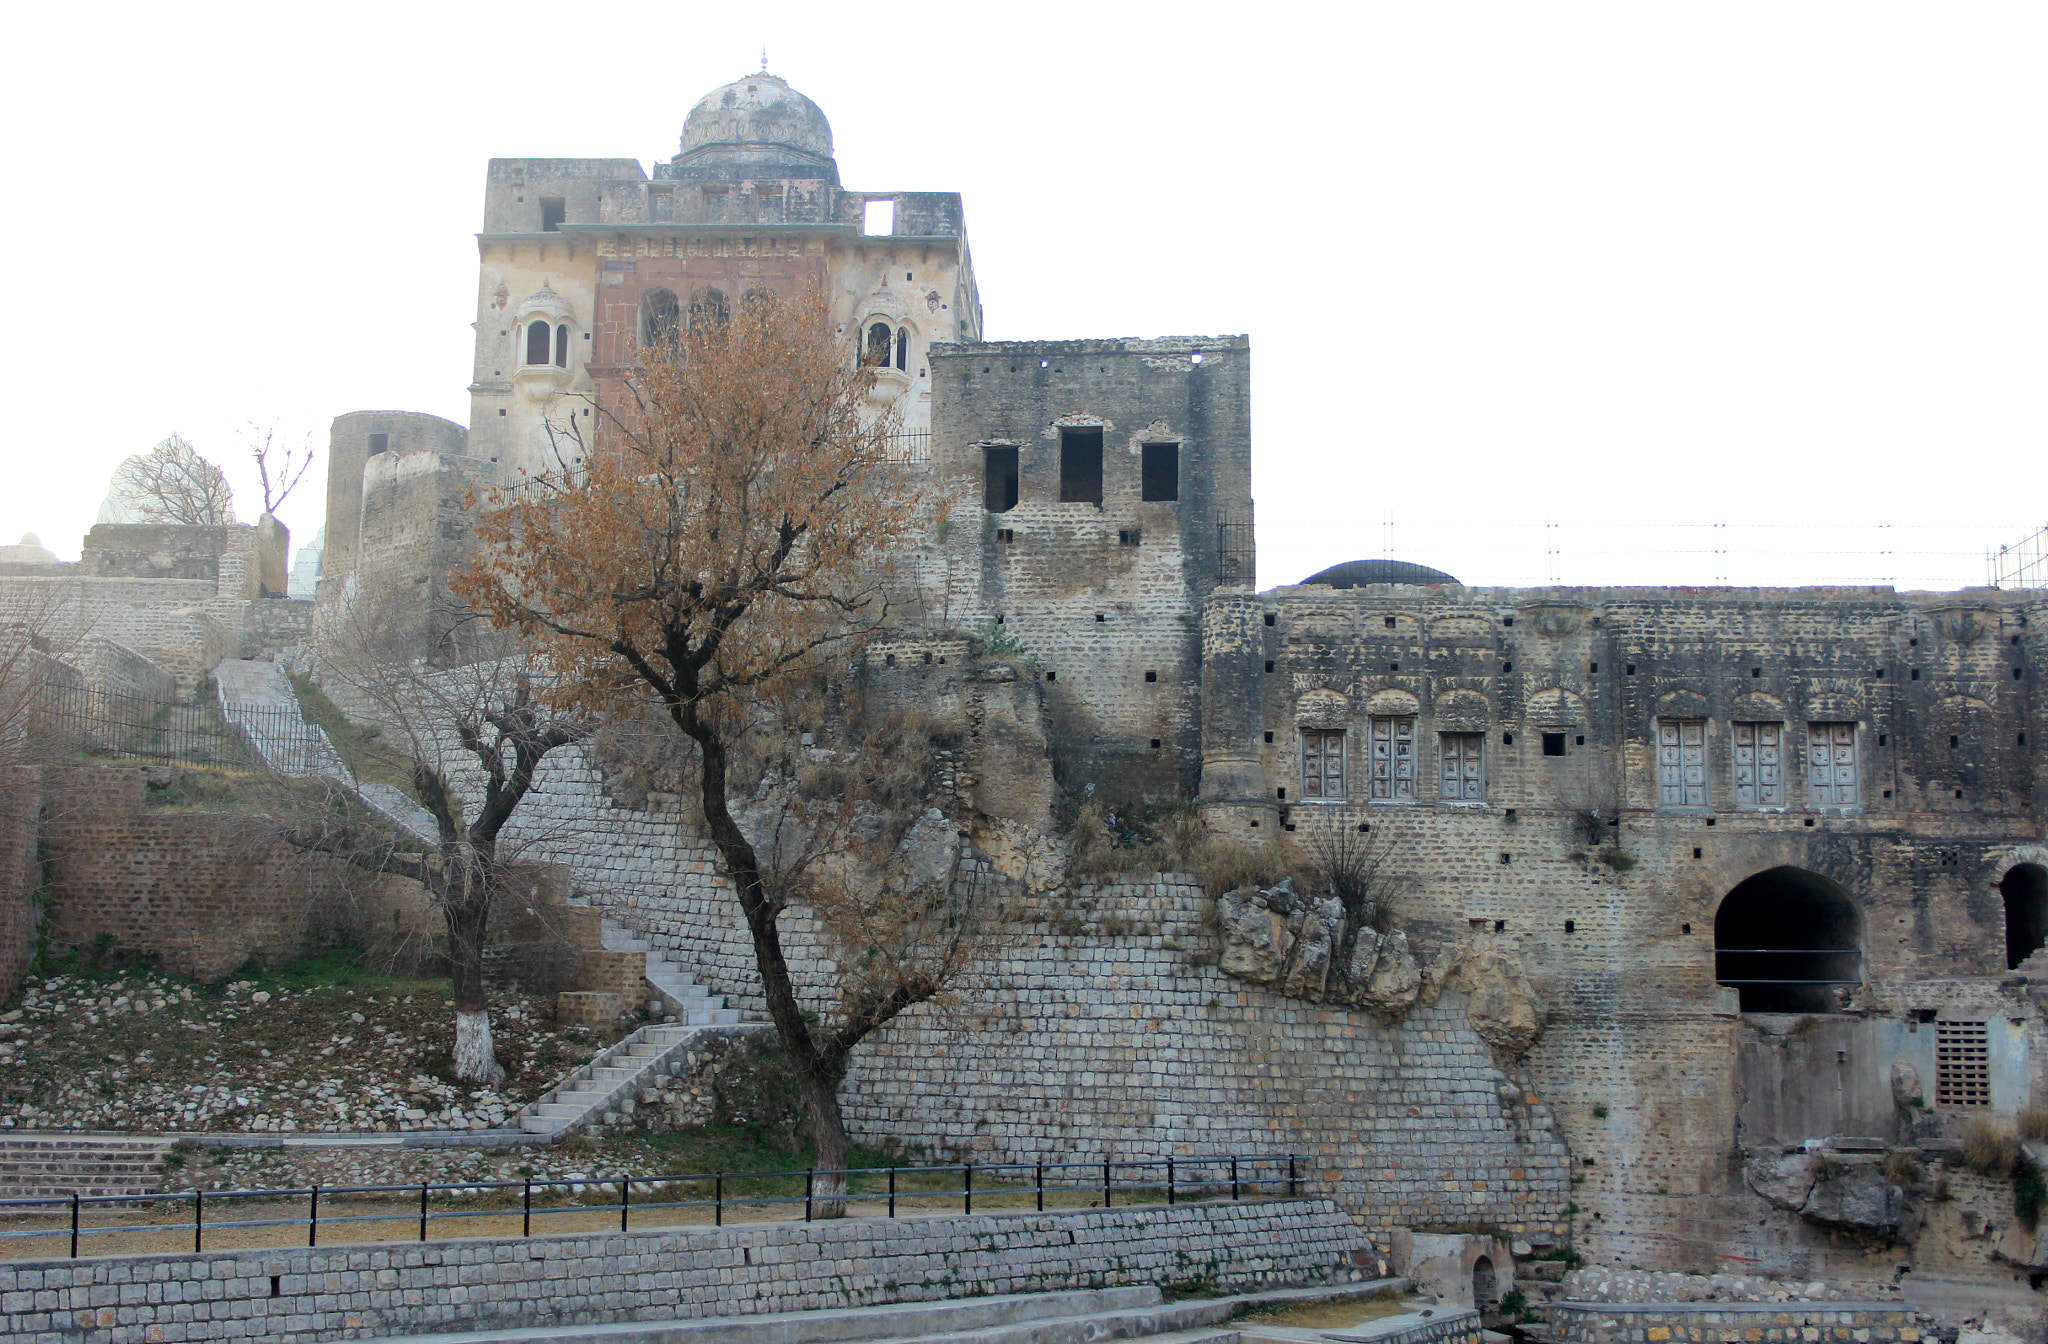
(1081, 466)
(554, 212)
(878, 217)
(999, 479)
(1159, 481)
(1553, 744)
(562, 346)
(379, 443)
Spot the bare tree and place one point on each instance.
(171, 484)
(723, 543)
(280, 463)
(464, 744)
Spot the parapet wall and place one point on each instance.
(363, 1292)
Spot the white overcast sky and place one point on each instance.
(1628, 293)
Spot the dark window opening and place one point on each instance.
(1595, 670)
(1507, 740)
(1952, 739)
(1579, 741)
(1629, 671)
(1155, 744)
(661, 317)
(1695, 851)
(1877, 674)
(2023, 739)
(1269, 618)
(1685, 928)
(1506, 857)
(379, 443)
(1500, 926)
(709, 305)
(999, 479)
(1005, 536)
(1269, 737)
(1100, 618)
(1269, 664)
(1080, 466)
(2025, 888)
(537, 342)
(1571, 926)
(1052, 676)
(903, 348)
(1151, 676)
(1916, 674)
(554, 212)
(1507, 667)
(1786, 940)
(1756, 672)
(1553, 744)
(1130, 537)
(1389, 622)
(562, 347)
(1159, 473)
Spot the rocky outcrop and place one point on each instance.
(1854, 1194)
(1297, 945)
(1500, 1002)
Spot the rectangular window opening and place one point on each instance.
(554, 212)
(1005, 536)
(1962, 1064)
(999, 479)
(1322, 764)
(1393, 757)
(379, 443)
(1461, 767)
(878, 217)
(1553, 744)
(1159, 473)
(1080, 466)
(1759, 764)
(1681, 763)
(1831, 774)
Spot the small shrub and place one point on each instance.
(1990, 1149)
(1901, 1168)
(2034, 1124)
(1617, 858)
(1828, 1167)
(1600, 1111)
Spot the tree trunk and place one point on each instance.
(466, 910)
(828, 1131)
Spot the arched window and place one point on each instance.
(1786, 939)
(878, 345)
(759, 299)
(537, 341)
(903, 348)
(562, 346)
(1485, 1284)
(2025, 888)
(661, 317)
(708, 305)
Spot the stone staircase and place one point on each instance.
(612, 1083)
(47, 1165)
(674, 991)
(257, 700)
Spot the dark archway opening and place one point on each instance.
(2025, 888)
(1485, 1284)
(1786, 940)
(661, 316)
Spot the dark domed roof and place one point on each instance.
(1358, 573)
(758, 123)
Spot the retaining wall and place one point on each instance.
(358, 1292)
(1734, 1322)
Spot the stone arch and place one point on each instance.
(1463, 712)
(1322, 709)
(1392, 703)
(708, 304)
(1485, 1284)
(1757, 707)
(1786, 939)
(1557, 708)
(539, 336)
(661, 318)
(1683, 705)
(2025, 890)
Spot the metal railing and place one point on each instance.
(114, 723)
(911, 447)
(887, 1191)
(2023, 564)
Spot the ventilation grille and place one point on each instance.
(1962, 1064)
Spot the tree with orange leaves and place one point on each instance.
(723, 543)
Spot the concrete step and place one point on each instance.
(980, 1318)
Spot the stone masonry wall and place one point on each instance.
(21, 789)
(193, 891)
(360, 1292)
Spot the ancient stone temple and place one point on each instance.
(1720, 913)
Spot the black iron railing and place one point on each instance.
(868, 1192)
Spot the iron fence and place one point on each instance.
(885, 1191)
(2023, 564)
(139, 727)
(909, 448)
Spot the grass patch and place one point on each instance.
(1990, 1149)
(368, 757)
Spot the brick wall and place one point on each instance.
(20, 801)
(201, 893)
(362, 1292)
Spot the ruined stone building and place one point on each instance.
(1699, 884)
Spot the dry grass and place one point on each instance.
(1990, 1149)
(1335, 1315)
(1106, 844)
(2034, 1124)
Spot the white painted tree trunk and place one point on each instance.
(476, 1057)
